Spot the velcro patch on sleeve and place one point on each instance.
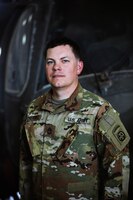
(111, 126)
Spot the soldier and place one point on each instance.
(73, 143)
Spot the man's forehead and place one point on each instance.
(62, 46)
(62, 50)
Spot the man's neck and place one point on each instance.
(63, 93)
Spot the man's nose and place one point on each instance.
(57, 66)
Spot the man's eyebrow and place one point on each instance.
(49, 59)
(60, 58)
(64, 57)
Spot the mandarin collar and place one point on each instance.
(71, 104)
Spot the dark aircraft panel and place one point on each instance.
(20, 54)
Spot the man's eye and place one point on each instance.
(50, 62)
(65, 61)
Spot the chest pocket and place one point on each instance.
(34, 129)
(85, 122)
(78, 147)
(31, 132)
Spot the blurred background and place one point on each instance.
(105, 33)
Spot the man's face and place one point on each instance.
(62, 67)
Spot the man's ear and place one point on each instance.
(80, 66)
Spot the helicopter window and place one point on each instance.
(19, 54)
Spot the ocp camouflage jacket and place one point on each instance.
(77, 149)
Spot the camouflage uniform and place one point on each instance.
(76, 150)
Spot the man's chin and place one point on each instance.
(57, 85)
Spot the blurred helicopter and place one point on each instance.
(104, 32)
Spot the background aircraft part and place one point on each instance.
(20, 51)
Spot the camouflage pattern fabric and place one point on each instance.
(73, 150)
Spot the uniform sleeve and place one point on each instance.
(113, 149)
(25, 168)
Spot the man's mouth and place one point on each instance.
(58, 76)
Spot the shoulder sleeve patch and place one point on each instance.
(111, 126)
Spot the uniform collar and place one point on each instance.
(71, 104)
